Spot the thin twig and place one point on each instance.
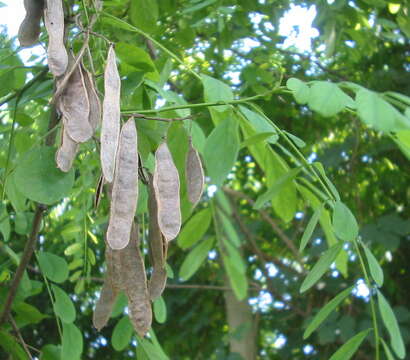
(142, 116)
(291, 246)
(25, 259)
(20, 337)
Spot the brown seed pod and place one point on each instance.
(94, 118)
(134, 282)
(125, 188)
(29, 29)
(54, 22)
(67, 151)
(75, 107)
(194, 175)
(166, 186)
(111, 116)
(104, 304)
(158, 247)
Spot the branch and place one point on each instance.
(142, 116)
(25, 258)
(290, 245)
(20, 337)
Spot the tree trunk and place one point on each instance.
(242, 327)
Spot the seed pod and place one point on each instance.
(54, 22)
(194, 175)
(29, 29)
(111, 116)
(158, 247)
(166, 186)
(67, 151)
(75, 107)
(94, 118)
(125, 188)
(134, 281)
(104, 305)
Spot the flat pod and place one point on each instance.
(166, 187)
(105, 304)
(194, 175)
(124, 189)
(75, 107)
(54, 22)
(67, 151)
(134, 282)
(94, 118)
(111, 116)
(29, 30)
(158, 247)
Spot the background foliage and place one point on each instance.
(345, 105)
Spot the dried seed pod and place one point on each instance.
(158, 247)
(134, 281)
(54, 22)
(94, 118)
(29, 29)
(104, 304)
(67, 151)
(125, 188)
(194, 175)
(166, 186)
(111, 116)
(75, 107)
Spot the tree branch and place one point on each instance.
(25, 258)
(20, 337)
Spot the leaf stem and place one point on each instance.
(158, 44)
(372, 304)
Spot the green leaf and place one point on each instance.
(321, 267)
(144, 15)
(53, 267)
(375, 268)
(198, 6)
(160, 310)
(219, 153)
(260, 137)
(298, 141)
(27, 314)
(234, 255)
(38, 178)
(195, 258)
(260, 123)
(329, 184)
(327, 99)
(237, 279)
(50, 352)
(215, 90)
(135, 57)
(276, 188)
(390, 321)
(325, 311)
(310, 227)
(229, 229)
(151, 350)
(374, 111)
(117, 23)
(344, 223)
(72, 344)
(387, 351)
(16, 197)
(300, 90)
(63, 306)
(11, 346)
(122, 333)
(120, 303)
(194, 229)
(347, 350)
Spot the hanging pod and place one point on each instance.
(134, 283)
(124, 189)
(67, 151)
(194, 173)
(158, 247)
(111, 116)
(94, 118)
(54, 22)
(166, 188)
(29, 30)
(74, 105)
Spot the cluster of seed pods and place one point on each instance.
(78, 103)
